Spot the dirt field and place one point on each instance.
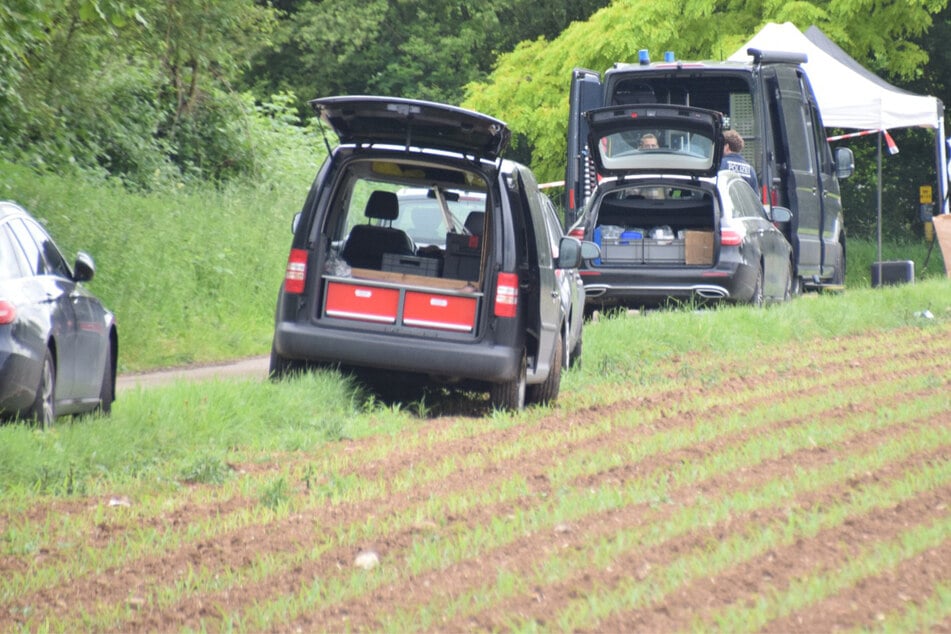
(804, 490)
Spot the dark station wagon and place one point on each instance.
(671, 225)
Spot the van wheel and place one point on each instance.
(43, 410)
(510, 395)
(281, 367)
(838, 276)
(547, 392)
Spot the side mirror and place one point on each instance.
(84, 269)
(780, 215)
(295, 222)
(572, 251)
(569, 253)
(590, 250)
(844, 162)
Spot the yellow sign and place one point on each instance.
(924, 194)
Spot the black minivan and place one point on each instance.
(422, 256)
(770, 103)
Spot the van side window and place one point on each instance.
(800, 134)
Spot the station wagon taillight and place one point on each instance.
(506, 295)
(8, 312)
(296, 272)
(730, 238)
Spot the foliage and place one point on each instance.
(422, 49)
(191, 273)
(529, 86)
(129, 90)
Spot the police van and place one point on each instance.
(771, 104)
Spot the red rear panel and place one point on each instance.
(445, 312)
(366, 303)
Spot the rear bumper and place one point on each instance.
(483, 360)
(19, 378)
(728, 281)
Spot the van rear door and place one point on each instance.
(580, 178)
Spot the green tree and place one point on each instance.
(426, 49)
(529, 86)
(132, 89)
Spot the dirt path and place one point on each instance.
(254, 366)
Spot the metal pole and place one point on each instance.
(879, 259)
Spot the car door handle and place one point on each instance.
(555, 294)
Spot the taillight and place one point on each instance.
(296, 272)
(506, 295)
(577, 232)
(8, 312)
(730, 238)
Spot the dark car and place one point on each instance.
(769, 103)
(58, 344)
(571, 290)
(421, 256)
(670, 224)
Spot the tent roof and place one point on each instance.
(849, 96)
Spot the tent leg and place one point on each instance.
(879, 219)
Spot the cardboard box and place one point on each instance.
(698, 248)
(942, 229)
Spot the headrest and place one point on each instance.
(383, 206)
(475, 223)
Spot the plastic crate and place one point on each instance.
(663, 251)
(618, 250)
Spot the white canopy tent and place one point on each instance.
(852, 97)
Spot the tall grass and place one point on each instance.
(192, 275)
(181, 432)
(862, 254)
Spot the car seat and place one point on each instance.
(367, 243)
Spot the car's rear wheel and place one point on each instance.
(757, 298)
(43, 410)
(574, 359)
(510, 395)
(795, 282)
(107, 390)
(547, 392)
